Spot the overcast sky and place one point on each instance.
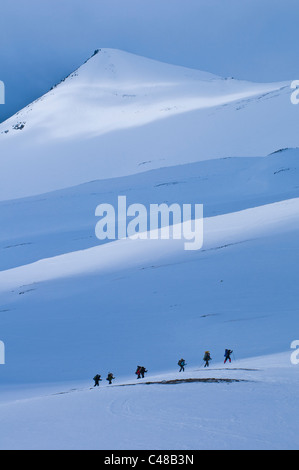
(42, 41)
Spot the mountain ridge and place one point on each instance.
(120, 114)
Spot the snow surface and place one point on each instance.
(259, 413)
(72, 306)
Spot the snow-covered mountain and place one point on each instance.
(121, 114)
(72, 306)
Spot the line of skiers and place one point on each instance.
(97, 379)
(227, 357)
(140, 371)
(207, 358)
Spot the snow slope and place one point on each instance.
(64, 221)
(256, 413)
(120, 114)
(149, 300)
(219, 232)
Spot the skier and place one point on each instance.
(207, 358)
(182, 364)
(138, 372)
(142, 371)
(97, 379)
(110, 378)
(227, 354)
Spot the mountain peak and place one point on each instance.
(120, 114)
(121, 66)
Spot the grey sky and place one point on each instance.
(43, 41)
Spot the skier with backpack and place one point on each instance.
(110, 378)
(207, 358)
(142, 371)
(227, 354)
(97, 379)
(182, 364)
